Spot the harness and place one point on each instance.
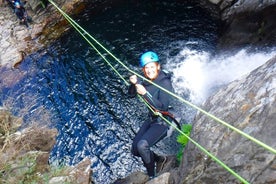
(166, 114)
(170, 115)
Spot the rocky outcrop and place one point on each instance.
(47, 25)
(24, 155)
(249, 105)
(247, 22)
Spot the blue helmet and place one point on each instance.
(17, 3)
(148, 57)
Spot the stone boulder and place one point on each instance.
(163, 169)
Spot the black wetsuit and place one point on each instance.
(20, 13)
(153, 130)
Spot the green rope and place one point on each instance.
(208, 153)
(84, 32)
(76, 26)
(168, 122)
(196, 144)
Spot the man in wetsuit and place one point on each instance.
(153, 129)
(21, 13)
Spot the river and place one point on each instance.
(70, 87)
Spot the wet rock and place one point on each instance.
(47, 25)
(134, 178)
(38, 138)
(246, 23)
(248, 104)
(163, 178)
(81, 173)
(163, 173)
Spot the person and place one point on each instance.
(12, 3)
(21, 13)
(153, 129)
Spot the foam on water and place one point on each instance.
(198, 74)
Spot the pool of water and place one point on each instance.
(69, 85)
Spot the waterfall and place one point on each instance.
(200, 73)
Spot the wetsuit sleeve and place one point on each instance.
(132, 92)
(160, 99)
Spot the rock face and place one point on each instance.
(24, 155)
(47, 25)
(247, 22)
(249, 105)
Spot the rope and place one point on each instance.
(208, 153)
(76, 26)
(79, 29)
(83, 33)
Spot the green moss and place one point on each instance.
(183, 140)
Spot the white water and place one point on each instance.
(198, 74)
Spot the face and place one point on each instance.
(151, 70)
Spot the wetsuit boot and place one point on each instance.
(150, 169)
(147, 157)
(150, 166)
